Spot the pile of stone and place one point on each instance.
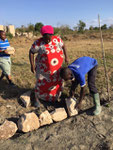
(30, 121)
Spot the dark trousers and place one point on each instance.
(91, 80)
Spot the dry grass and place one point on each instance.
(92, 48)
(23, 77)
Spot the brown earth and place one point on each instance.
(82, 132)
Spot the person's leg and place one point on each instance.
(1, 67)
(93, 90)
(6, 67)
(36, 102)
(2, 76)
(9, 80)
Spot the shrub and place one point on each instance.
(38, 26)
(30, 27)
(81, 25)
(9, 35)
(56, 30)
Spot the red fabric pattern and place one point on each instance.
(48, 62)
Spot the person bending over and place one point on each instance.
(76, 72)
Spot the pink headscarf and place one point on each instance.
(47, 29)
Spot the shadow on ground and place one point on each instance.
(8, 92)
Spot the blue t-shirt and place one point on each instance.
(81, 66)
(3, 46)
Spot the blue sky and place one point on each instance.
(56, 12)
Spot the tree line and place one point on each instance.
(79, 28)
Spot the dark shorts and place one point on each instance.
(91, 80)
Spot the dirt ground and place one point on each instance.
(81, 132)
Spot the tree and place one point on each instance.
(21, 29)
(111, 26)
(96, 28)
(30, 27)
(81, 25)
(56, 30)
(65, 29)
(75, 28)
(104, 27)
(91, 28)
(38, 26)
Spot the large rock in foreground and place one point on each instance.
(59, 114)
(28, 122)
(45, 118)
(25, 98)
(71, 103)
(7, 130)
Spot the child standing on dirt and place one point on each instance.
(5, 61)
(77, 71)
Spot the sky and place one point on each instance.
(56, 12)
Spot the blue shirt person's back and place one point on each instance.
(81, 66)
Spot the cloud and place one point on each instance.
(94, 22)
(108, 21)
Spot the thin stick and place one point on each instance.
(104, 60)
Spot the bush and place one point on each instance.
(57, 30)
(21, 29)
(30, 28)
(9, 35)
(65, 30)
(38, 26)
(80, 26)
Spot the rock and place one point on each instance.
(45, 118)
(28, 147)
(25, 98)
(2, 110)
(30, 34)
(10, 50)
(18, 34)
(112, 119)
(70, 103)
(9, 106)
(2, 119)
(59, 114)
(28, 122)
(74, 148)
(111, 146)
(82, 147)
(25, 34)
(7, 130)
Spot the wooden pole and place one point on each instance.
(104, 60)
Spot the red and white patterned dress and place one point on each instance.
(48, 62)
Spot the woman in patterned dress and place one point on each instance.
(48, 61)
